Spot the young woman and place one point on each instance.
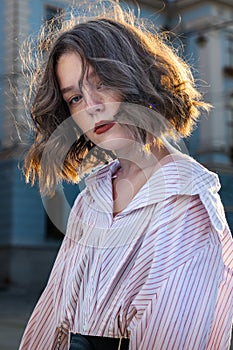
(146, 262)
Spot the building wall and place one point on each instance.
(2, 72)
(27, 249)
(208, 28)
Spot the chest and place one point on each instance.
(124, 190)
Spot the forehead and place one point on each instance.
(69, 70)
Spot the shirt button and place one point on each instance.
(85, 328)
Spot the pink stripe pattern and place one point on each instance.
(160, 272)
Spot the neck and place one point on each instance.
(133, 162)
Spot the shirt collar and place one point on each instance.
(177, 174)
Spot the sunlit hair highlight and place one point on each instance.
(131, 58)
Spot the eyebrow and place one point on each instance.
(72, 87)
(68, 89)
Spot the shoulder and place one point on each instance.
(188, 176)
(181, 178)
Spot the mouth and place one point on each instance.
(103, 126)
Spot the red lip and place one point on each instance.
(103, 126)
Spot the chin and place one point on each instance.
(118, 144)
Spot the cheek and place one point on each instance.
(82, 120)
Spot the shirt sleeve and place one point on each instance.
(44, 330)
(189, 290)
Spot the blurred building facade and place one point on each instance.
(29, 240)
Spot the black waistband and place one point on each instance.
(89, 342)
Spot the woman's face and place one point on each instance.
(94, 107)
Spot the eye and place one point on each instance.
(74, 100)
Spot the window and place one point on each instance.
(228, 69)
(230, 50)
(230, 132)
(52, 14)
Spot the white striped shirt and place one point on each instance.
(160, 272)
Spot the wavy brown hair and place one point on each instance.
(129, 58)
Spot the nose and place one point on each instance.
(94, 103)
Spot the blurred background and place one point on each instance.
(29, 237)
